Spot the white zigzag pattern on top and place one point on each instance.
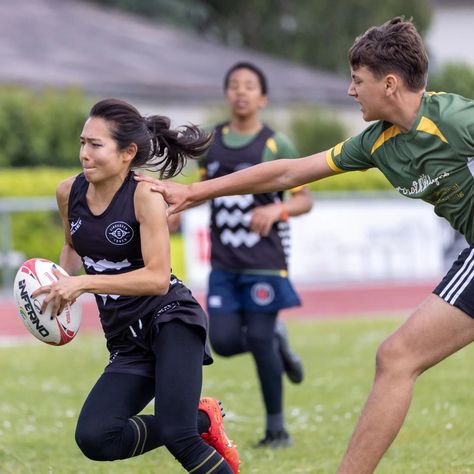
(104, 297)
(233, 218)
(102, 265)
(243, 201)
(236, 239)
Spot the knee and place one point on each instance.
(92, 441)
(88, 442)
(226, 345)
(222, 349)
(394, 358)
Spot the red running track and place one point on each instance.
(329, 302)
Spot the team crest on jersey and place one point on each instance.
(262, 294)
(119, 233)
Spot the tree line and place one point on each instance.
(313, 32)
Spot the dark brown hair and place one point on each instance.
(159, 147)
(396, 46)
(251, 67)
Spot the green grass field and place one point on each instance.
(43, 388)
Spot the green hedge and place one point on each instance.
(354, 181)
(315, 129)
(40, 128)
(457, 78)
(40, 181)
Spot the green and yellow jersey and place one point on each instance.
(434, 161)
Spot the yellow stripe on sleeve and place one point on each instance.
(330, 161)
(271, 145)
(338, 149)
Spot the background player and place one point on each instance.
(248, 283)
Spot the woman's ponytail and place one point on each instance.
(172, 147)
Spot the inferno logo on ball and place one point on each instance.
(119, 233)
(262, 293)
(52, 329)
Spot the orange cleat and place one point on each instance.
(216, 436)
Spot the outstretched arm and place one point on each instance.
(271, 176)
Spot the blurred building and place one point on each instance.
(163, 69)
(160, 68)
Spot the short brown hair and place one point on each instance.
(395, 46)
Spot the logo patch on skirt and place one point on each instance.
(262, 294)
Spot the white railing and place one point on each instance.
(348, 238)
(10, 258)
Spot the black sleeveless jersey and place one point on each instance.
(109, 244)
(233, 245)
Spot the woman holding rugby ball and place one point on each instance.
(155, 330)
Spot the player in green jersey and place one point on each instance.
(424, 144)
(248, 284)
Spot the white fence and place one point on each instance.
(347, 239)
(10, 259)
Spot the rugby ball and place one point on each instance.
(54, 330)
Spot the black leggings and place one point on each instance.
(236, 333)
(108, 428)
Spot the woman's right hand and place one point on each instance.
(65, 290)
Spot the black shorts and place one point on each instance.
(457, 287)
(131, 351)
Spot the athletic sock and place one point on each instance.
(213, 462)
(275, 422)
